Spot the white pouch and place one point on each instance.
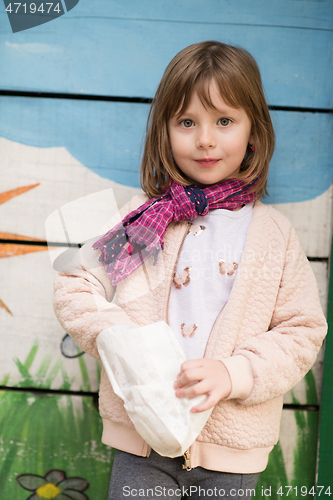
(142, 364)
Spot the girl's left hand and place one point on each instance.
(203, 376)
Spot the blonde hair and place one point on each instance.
(238, 79)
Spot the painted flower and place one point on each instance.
(54, 486)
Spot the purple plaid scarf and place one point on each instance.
(140, 234)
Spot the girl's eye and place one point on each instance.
(187, 123)
(224, 121)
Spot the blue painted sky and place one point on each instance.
(107, 136)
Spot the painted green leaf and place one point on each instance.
(55, 476)
(30, 481)
(73, 483)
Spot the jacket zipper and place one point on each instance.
(187, 457)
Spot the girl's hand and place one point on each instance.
(203, 376)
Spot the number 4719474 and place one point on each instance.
(304, 491)
(32, 8)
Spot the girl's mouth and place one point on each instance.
(207, 162)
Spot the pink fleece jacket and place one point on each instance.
(268, 335)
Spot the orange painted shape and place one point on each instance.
(13, 249)
(8, 195)
(2, 304)
(12, 236)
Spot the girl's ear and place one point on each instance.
(252, 138)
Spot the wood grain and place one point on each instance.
(126, 47)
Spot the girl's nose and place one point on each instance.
(206, 139)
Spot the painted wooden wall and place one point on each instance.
(73, 104)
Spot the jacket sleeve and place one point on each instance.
(280, 357)
(83, 295)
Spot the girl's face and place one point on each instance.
(209, 145)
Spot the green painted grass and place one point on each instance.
(43, 431)
(303, 475)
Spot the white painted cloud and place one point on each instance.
(33, 48)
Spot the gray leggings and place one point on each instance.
(157, 477)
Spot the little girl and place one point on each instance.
(227, 273)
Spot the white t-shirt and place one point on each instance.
(205, 273)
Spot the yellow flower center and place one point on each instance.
(48, 491)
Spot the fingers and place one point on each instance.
(196, 370)
(209, 403)
(190, 371)
(203, 376)
(193, 389)
(189, 376)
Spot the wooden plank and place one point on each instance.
(312, 220)
(127, 55)
(308, 391)
(35, 353)
(292, 463)
(320, 270)
(313, 14)
(43, 432)
(62, 179)
(325, 463)
(301, 166)
(92, 133)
